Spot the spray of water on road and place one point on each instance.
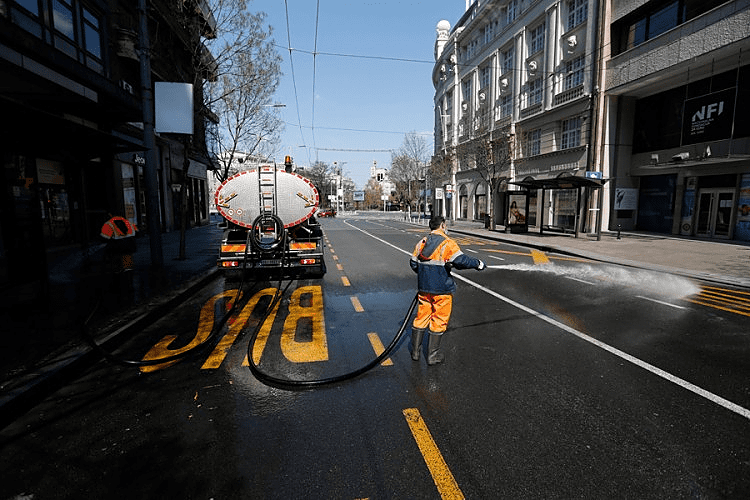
(647, 282)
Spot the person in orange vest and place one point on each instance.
(120, 235)
(432, 260)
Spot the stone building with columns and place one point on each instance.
(514, 97)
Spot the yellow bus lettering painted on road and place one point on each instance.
(317, 348)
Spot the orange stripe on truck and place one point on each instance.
(232, 248)
(302, 246)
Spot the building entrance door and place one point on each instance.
(715, 213)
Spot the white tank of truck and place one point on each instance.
(270, 223)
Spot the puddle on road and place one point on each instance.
(651, 282)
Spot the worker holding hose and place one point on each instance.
(432, 260)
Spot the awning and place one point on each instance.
(563, 181)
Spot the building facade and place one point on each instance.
(514, 97)
(72, 137)
(618, 114)
(676, 129)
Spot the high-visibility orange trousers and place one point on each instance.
(434, 311)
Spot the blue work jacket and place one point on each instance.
(432, 260)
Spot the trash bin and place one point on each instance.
(486, 221)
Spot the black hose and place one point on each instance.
(281, 383)
(181, 355)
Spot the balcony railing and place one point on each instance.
(568, 95)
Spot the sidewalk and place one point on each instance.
(44, 344)
(41, 339)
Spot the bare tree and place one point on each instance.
(408, 167)
(490, 158)
(373, 192)
(242, 77)
(319, 174)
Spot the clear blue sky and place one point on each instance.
(359, 103)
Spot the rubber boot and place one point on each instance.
(434, 354)
(416, 342)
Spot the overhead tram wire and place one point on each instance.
(312, 121)
(291, 64)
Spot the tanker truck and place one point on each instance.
(270, 225)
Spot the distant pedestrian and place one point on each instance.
(432, 260)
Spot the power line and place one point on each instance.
(291, 63)
(357, 150)
(359, 56)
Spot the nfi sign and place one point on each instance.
(708, 117)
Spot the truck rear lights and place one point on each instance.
(230, 263)
(307, 262)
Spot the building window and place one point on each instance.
(511, 11)
(68, 24)
(466, 88)
(532, 142)
(535, 91)
(508, 58)
(656, 18)
(573, 73)
(484, 76)
(571, 133)
(536, 37)
(489, 32)
(506, 106)
(577, 12)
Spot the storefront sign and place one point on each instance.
(49, 172)
(709, 117)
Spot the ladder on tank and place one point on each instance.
(269, 233)
(267, 190)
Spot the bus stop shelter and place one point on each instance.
(591, 181)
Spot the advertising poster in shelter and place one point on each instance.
(742, 228)
(517, 212)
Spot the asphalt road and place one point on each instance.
(563, 379)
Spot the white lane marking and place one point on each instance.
(661, 302)
(612, 350)
(494, 257)
(470, 250)
(580, 280)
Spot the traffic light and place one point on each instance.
(288, 163)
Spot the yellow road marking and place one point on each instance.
(315, 349)
(378, 347)
(441, 475)
(205, 325)
(222, 348)
(539, 257)
(506, 252)
(357, 306)
(339, 267)
(345, 281)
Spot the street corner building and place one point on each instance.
(76, 142)
(597, 115)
